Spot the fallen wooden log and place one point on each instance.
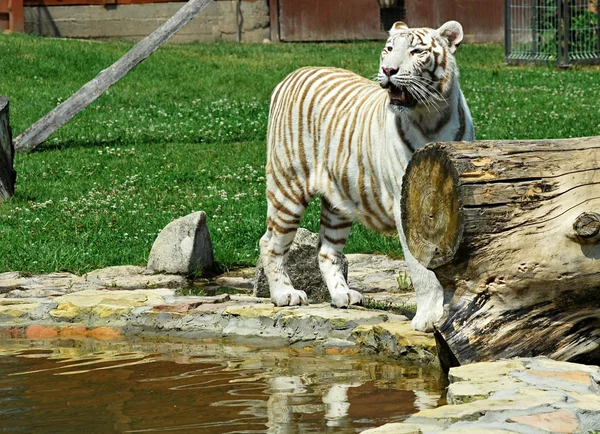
(7, 152)
(513, 228)
(92, 90)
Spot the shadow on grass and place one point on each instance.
(123, 142)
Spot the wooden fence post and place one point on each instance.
(7, 173)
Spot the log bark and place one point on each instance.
(513, 229)
(42, 129)
(8, 175)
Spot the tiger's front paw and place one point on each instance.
(289, 297)
(346, 298)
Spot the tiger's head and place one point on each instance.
(417, 66)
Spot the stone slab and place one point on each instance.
(558, 421)
(92, 305)
(17, 285)
(17, 308)
(132, 277)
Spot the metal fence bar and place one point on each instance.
(508, 30)
(559, 44)
(565, 33)
(558, 31)
(534, 26)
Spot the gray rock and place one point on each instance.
(377, 273)
(183, 246)
(303, 268)
(235, 282)
(338, 344)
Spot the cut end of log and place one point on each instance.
(587, 227)
(432, 217)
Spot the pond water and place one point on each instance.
(92, 386)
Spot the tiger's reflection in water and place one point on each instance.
(296, 403)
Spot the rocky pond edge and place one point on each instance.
(529, 395)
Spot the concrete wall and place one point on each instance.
(134, 22)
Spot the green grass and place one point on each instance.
(185, 131)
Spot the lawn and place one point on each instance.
(185, 131)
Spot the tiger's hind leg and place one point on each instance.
(335, 228)
(282, 224)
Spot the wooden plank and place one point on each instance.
(42, 129)
(17, 20)
(93, 2)
(274, 20)
(482, 21)
(329, 20)
(7, 172)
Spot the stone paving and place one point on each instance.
(131, 301)
(525, 395)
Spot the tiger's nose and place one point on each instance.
(389, 71)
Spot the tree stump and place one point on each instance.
(513, 229)
(8, 175)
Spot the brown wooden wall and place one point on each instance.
(482, 20)
(327, 20)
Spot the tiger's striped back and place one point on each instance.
(323, 126)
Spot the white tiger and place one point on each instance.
(347, 139)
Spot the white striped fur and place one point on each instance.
(348, 140)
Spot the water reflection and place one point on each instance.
(95, 386)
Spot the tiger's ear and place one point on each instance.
(452, 31)
(398, 27)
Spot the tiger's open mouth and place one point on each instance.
(399, 95)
